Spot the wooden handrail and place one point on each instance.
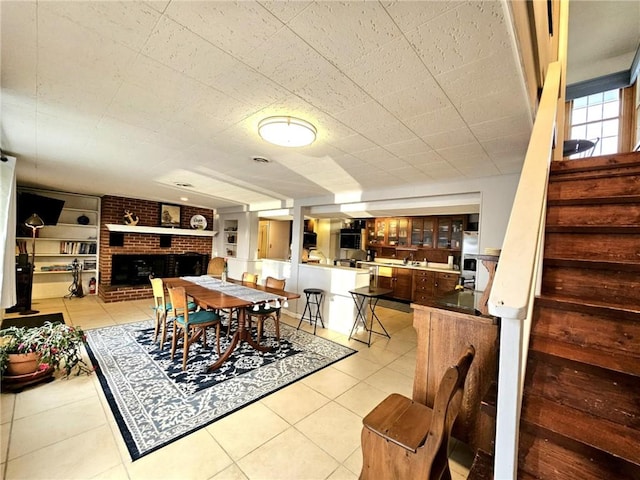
(517, 278)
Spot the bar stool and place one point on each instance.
(314, 299)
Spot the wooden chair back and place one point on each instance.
(276, 283)
(178, 297)
(249, 278)
(402, 438)
(446, 407)
(157, 286)
(216, 266)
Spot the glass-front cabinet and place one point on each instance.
(450, 232)
(380, 231)
(392, 231)
(428, 228)
(457, 226)
(441, 232)
(416, 231)
(403, 231)
(444, 233)
(371, 232)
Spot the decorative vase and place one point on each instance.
(23, 363)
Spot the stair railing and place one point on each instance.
(518, 277)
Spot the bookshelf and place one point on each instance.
(74, 237)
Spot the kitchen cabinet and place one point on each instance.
(422, 230)
(428, 284)
(371, 232)
(392, 231)
(397, 279)
(403, 232)
(422, 285)
(445, 283)
(381, 231)
(450, 232)
(416, 234)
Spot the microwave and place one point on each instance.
(350, 238)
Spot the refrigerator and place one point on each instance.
(469, 259)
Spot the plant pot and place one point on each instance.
(23, 363)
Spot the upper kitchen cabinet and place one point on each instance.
(403, 232)
(422, 229)
(450, 232)
(392, 232)
(381, 231)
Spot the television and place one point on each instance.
(49, 209)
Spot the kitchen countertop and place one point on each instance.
(412, 267)
(463, 301)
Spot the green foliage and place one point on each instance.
(58, 344)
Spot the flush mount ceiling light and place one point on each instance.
(287, 131)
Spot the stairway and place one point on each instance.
(581, 408)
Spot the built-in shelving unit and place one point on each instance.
(230, 231)
(74, 238)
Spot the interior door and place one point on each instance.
(263, 239)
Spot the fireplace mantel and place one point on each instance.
(114, 227)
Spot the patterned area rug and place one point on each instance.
(156, 403)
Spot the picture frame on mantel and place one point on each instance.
(169, 215)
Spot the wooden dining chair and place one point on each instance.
(408, 440)
(193, 324)
(161, 309)
(216, 267)
(247, 279)
(263, 314)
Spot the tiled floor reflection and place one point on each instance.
(311, 429)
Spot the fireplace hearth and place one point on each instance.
(134, 269)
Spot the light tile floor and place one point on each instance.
(309, 430)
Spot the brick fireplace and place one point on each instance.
(148, 213)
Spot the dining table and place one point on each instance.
(215, 294)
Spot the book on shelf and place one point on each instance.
(77, 248)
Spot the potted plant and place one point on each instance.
(52, 346)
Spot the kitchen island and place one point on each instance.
(338, 309)
(445, 326)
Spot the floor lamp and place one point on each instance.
(34, 222)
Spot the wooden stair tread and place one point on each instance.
(589, 229)
(595, 264)
(580, 305)
(599, 433)
(596, 200)
(616, 361)
(603, 162)
(543, 454)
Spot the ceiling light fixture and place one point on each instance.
(287, 131)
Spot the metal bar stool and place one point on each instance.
(314, 299)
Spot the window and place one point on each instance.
(597, 118)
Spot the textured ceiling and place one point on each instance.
(131, 98)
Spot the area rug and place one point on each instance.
(155, 403)
(32, 320)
